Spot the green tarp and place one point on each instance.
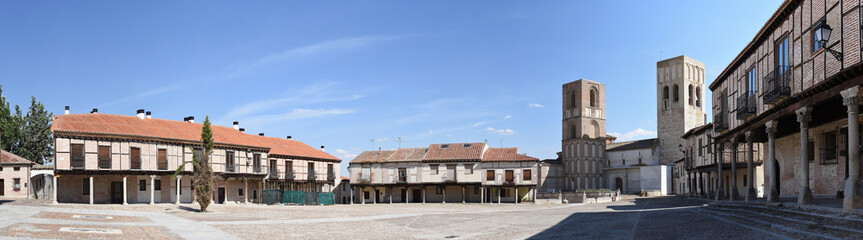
(326, 198)
(294, 197)
(273, 196)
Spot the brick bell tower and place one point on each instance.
(680, 103)
(583, 137)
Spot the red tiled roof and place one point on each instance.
(398, 155)
(373, 156)
(171, 130)
(344, 178)
(455, 151)
(505, 155)
(9, 158)
(288, 147)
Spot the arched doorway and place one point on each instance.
(618, 184)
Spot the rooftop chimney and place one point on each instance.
(67, 109)
(141, 113)
(242, 130)
(236, 125)
(322, 148)
(289, 137)
(190, 119)
(149, 115)
(260, 134)
(95, 110)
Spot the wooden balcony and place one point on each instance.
(719, 122)
(777, 85)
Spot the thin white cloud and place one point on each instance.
(634, 134)
(298, 114)
(316, 93)
(344, 155)
(500, 131)
(151, 92)
(507, 117)
(329, 46)
(535, 105)
(477, 124)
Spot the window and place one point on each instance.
(104, 157)
(403, 175)
(812, 37)
(16, 169)
(691, 96)
(366, 195)
(77, 152)
(136, 157)
(700, 148)
(229, 161)
(750, 81)
(698, 96)
(434, 169)
(256, 162)
(503, 192)
(85, 182)
(468, 168)
(489, 175)
(274, 167)
(526, 175)
(571, 99)
(467, 145)
(811, 147)
(157, 185)
(240, 192)
(289, 169)
(16, 184)
(829, 148)
(676, 93)
(444, 146)
(142, 185)
(330, 172)
(508, 176)
(311, 169)
(593, 98)
(163, 159)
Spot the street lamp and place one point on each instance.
(822, 36)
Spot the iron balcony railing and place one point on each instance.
(312, 176)
(719, 122)
(745, 105)
(78, 163)
(256, 169)
(777, 85)
(230, 168)
(289, 175)
(331, 176)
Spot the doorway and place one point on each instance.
(404, 196)
(221, 195)
(618, 184)
(418, 195)
(776, 177)
(377, 196)
(2, 188)
(116, 192)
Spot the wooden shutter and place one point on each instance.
(136, 158)
(509, 176)
(163, 159)
(489, 175)
(104, 156)
(77, 155)
(526, 176)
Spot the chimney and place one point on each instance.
(242, 130)
(141, 113)
(260, 134)
(67, 109)
(95, 110)
(236, 125)
(379, 150)
(149, 115)
(289, 137)
(322, 148)
(190, 119)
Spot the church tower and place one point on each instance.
(680, 103)
(583, 144)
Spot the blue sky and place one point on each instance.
(357, 75)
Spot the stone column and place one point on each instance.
(125, 202)
(374, 196)
(515, 197)
(771, 157)
(751, 194)
(443, 190)
(353, 190)
(481, 195)
(54, 188)
(700, 183)
(408, 195)
(91, 190)
(179, 189)
(226, 192)
(363, 195)
(463, 197)
(390, 194)
(245, 190)
(733, 195)
(804, 115)
(424, 194)
(152, 188)
(853, 188)
(719, 155)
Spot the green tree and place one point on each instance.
(202, 173)
(36, 142)
(9, 123)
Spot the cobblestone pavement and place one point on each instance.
(631, 218)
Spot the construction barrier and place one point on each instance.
(294, 197)
(272, 196)
(326, 198)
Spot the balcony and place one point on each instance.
(256, 169)
(230, 168)
(777, 85)
(719, 122)
(745, 105)
(289, 175)
(78, 163)
(312, 176)
(331, 176)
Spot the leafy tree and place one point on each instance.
(9, 123)
(202, 173)
(35, 142)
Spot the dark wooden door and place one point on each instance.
(618, 184)
(418, 195)
(404, 195)
(2, 188)
(221, 195)
(116, 192)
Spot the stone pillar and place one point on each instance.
(773, 194)
(226, 192)
(179, 189)
(515, 197)
(443, 190)
(804, 115)
(424, 194)
(407, 195)
(463, 197)
(481, 195)
(54, 188)
(498, 195)
(152, 188)
(245, 190)
(353, 190)
(733, 194)
(751, 194)
(91, 190)
(374, 196)
(853, 188)
(390, 194)
(363, 196)
(701, 183)
(720, 149)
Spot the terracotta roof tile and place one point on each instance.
(455, 151)
(505, 155)
(398, 155)
(289, 147)
(9, 158)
